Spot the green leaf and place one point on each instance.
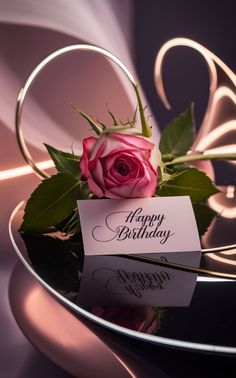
(190, 182)
(70, 225)
(177, 138)
(64, 161)
(84, 191)
(57, 261)
(52, 202)
(204, 216)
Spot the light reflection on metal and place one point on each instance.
(222, 259)
(70, 346)
(230, 191)
(218, 92)
(24, 170)
(225, 209)
(217, 133)
(34, 74)
(160, 60)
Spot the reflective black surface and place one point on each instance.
(209, 320)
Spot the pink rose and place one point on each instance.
(119, 165)
(142, 319)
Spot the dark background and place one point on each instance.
(210, 23)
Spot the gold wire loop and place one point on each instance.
(29, 81)
(213, 63)
(182, 267)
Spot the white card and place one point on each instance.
(160, 227)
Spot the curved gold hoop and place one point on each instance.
(209, 57)
(212, 62)
(24, 91)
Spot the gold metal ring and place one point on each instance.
(24, 91)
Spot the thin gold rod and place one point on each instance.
(24, 91)
(184, 268)
(219, 249)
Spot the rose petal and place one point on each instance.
(115, 142)
(110, 182)
(95, 188)
(121, 191)
(96, 171)
(155, 158)
(88, 145)
(121, 178)
(132, 140)
(146, 186)
(99, 148)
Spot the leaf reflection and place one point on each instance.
(58, 262)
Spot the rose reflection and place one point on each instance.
(142, 319)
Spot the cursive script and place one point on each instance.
(133, 225)
(122, 282)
